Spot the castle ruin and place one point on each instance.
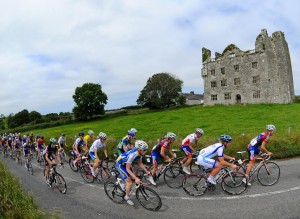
(262, 75)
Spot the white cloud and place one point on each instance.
(48, 48)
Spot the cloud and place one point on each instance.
(49, 48)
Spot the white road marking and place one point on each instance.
(203, 197)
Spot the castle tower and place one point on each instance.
(263, 75)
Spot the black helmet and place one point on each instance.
(81, 134)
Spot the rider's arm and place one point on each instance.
(96, 154)
(191, 147)
(228, 157)
(171, 152)
(143, 166)
(225, 163)
(128, 168)
(105, 152)
(263, 147)
(162, 153)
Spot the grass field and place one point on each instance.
(242, 122)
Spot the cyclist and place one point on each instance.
(159, 151)
(88, 139)
(125, 144)
(187, 147)
(49, 156)
(26, 152)
(79, 142)
(97, 145)
(206, 154)
(123, 165)
(253, 148)
(62, 142)
(40, 145)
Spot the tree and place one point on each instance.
(34, 116)
(161, 91)
(90, 101)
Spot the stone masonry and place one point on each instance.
(262, 75)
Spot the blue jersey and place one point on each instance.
(128, 157)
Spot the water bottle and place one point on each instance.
(221, 172)
(240, 161)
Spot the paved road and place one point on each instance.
(89, 200)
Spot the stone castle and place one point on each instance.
(262, 75)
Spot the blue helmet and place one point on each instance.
(225, 138)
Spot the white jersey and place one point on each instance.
(97, 144)
(62, 140)
(192, 138)
(211, 151)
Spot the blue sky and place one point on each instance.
(48, 48)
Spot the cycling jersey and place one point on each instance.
(26, 148)
(192, 138)
(259, 139)
(206, 154)
(157, 149)
(88, 139)
(51, 151)
(125, 141)
(80, 143)
(127, 157)
(97, 145)
(62, 140)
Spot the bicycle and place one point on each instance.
(62, 155)
(231, 182)
(79, 165)
(268, 172)
(18, 156)
(28, 164)
(87, 175)
(57, 178)
(146, 196)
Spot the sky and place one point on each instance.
(50, 47)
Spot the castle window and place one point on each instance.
(223, 83)
(236, 68)
(223, 70)
(256, 94)
(237, 81)
(227, 96)
(256, 79)
(214, 97)
(213, 72)
(231, 55)
(213, 84)
(254, 64)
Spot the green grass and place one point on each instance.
(242, 122)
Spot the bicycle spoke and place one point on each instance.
(60, 183)
(148, 198)
(268, 174)
(233, 183)
(194, 185)
(173, 176)
(105, 174)
(114, 192)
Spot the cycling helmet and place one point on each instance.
(81, 134)
(130, 133)
(133, 130)
(199, 131)
(52, 140)
(90, 132)
(63, 134)
(42, 137)
(271, 127)
(141, 145)
(102, 135)
(225, 138)
(171, 135)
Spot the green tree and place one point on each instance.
(34, 116)
(161, 91)
(90, 101)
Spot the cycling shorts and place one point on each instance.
(92, 155)
(252, 151)
(187, 150)
(26, 151)
(122, 170)
(207, 163)
(40, 147)
(155, 157)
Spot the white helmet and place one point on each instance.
(133, 130)
(199, 131)
(171, 135)
(139, 144)
(271, 127)
(102, 135)
(90, 132)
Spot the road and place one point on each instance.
(83, 200)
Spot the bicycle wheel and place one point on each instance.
(114, 192)
(268, 174)
(105, 174)
(148, 198)
(30, 168)
(87, 174)
(194, 185)
(109, 164)
(60, 183)
(173, 176)
(232, 183)
(71, 164)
